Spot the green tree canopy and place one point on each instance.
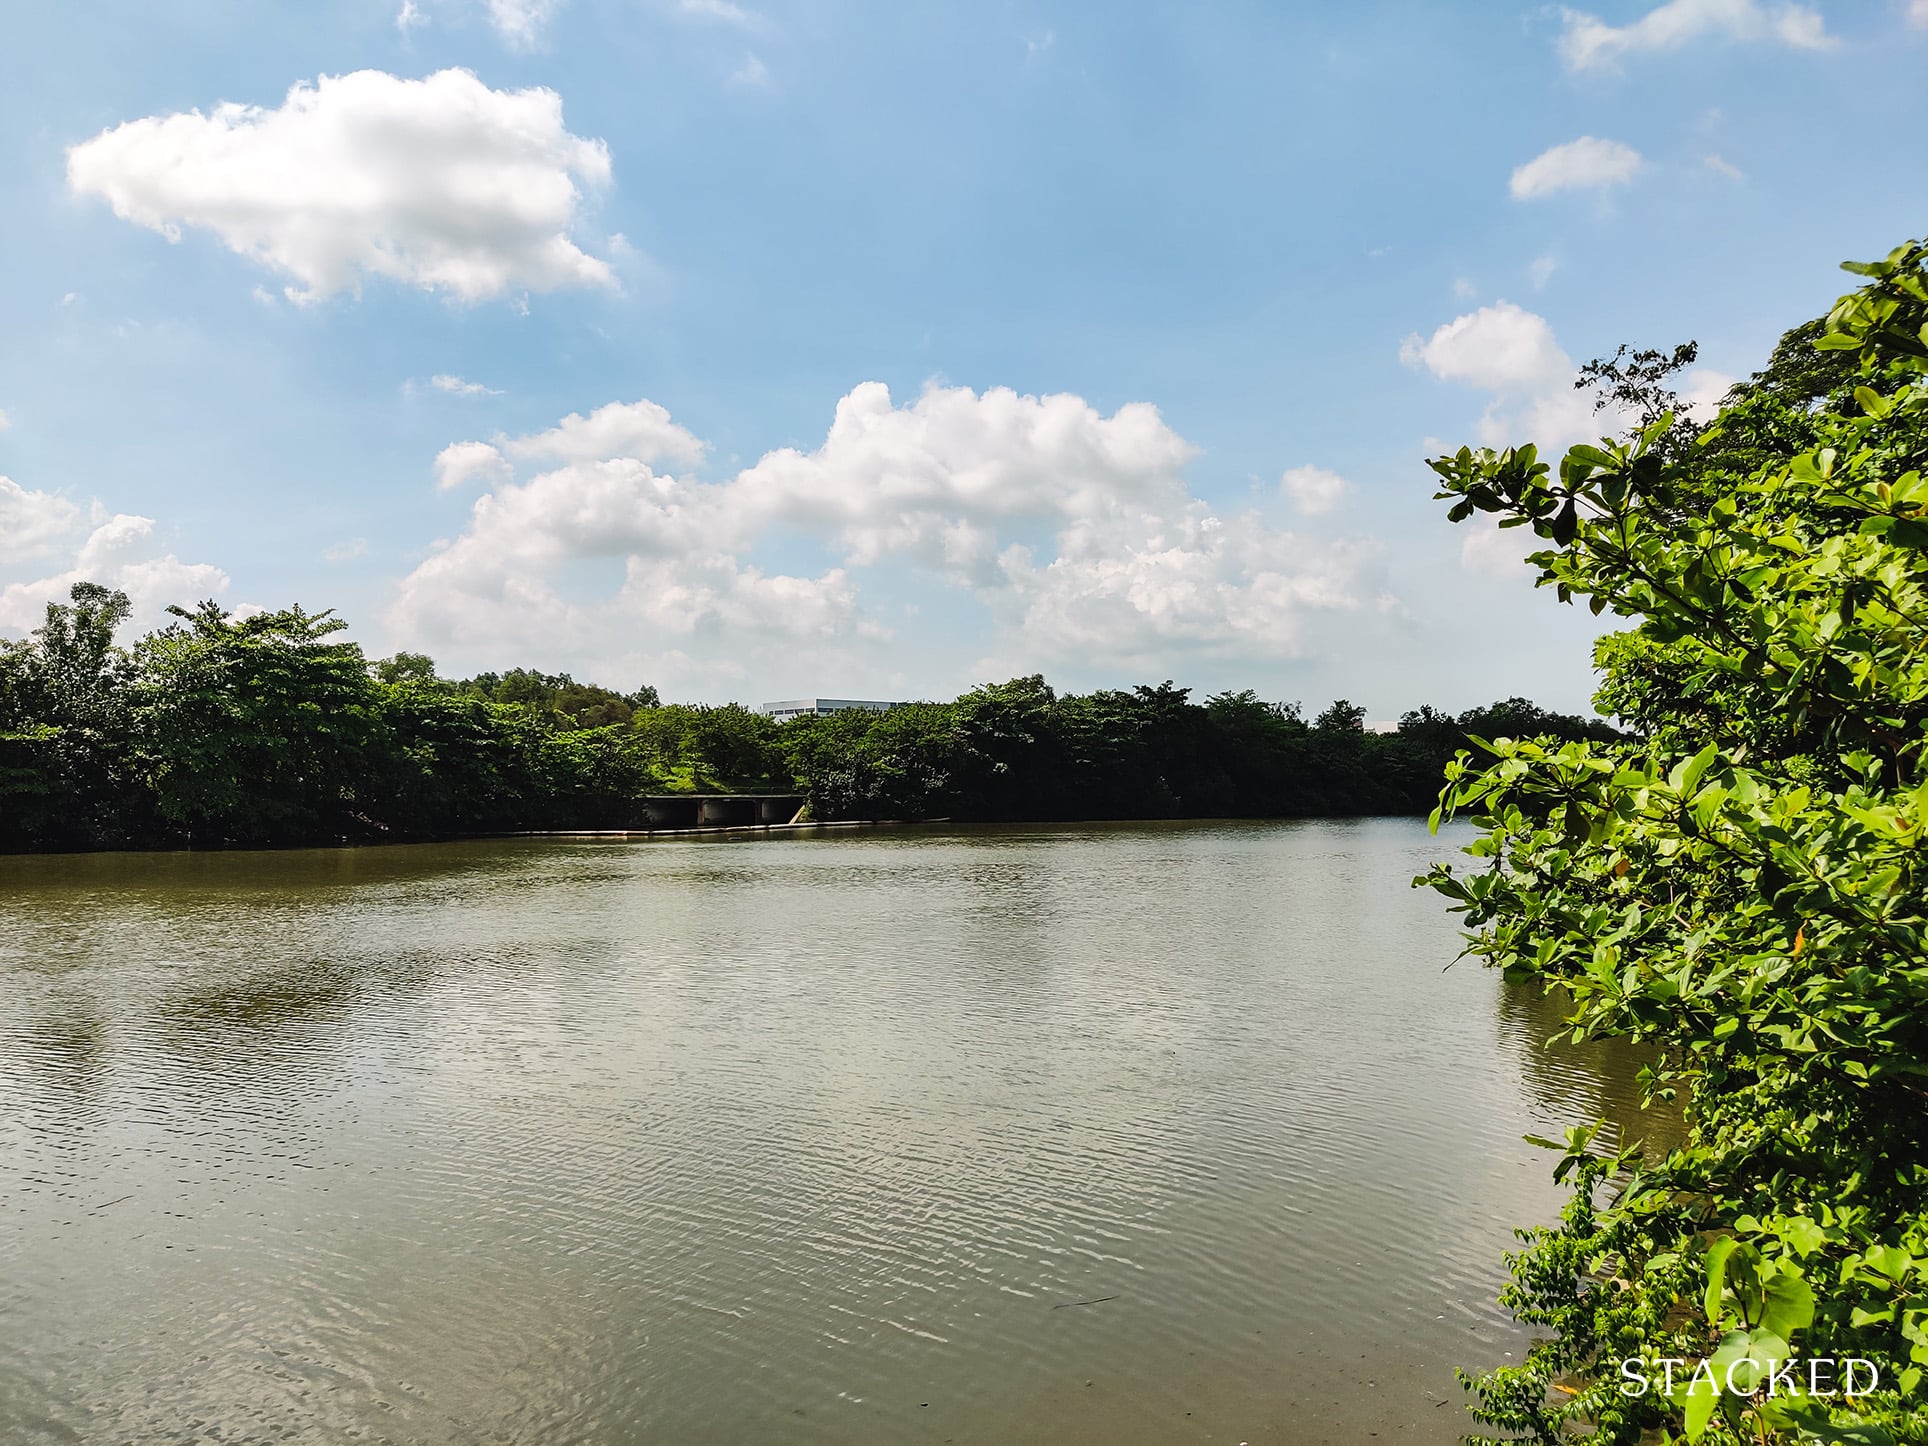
(1744, 887)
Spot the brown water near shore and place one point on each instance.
(1136, 1133)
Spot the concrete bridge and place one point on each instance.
(719, 810)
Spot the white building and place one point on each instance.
(808, 707)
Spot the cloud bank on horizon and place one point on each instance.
(829, 233)
(1077, 532)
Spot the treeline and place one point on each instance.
(1018, 751)
(225, 731)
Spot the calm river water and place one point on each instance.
(1135, 1134)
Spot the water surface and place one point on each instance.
(1098, 1134)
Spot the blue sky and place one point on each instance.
(909, 346)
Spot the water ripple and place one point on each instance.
(1116, 1134)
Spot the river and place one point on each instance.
(1105, 1134)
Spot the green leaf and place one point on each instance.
(1565, 524)
(1789, 1302)
(1872, 402)
(1717, 1254)
(1702, 1397)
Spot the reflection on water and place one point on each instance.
(1582, 1083)
(1109, 1134)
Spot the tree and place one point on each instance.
(63, 726)
(1341, 717)
(220, 731)
(556, 697)
(255, 730)
(405, 668)
(1745, 887)
(903, 763)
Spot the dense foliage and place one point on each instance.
(1745, 887)
(1020, 750)
(270, 729)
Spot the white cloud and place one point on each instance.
(514, 577)
(1502, 347)
(347, 551)
(1918, 13)
(520, 22)
(753, 74)
(5, 422)
(1705, 390)
(1076, 531)
(1188, 583)
(1586, 164)
(1512, 353)
(641, 430)
(464, 462)
(440, 183)
(939, 478)
(1723, 167)
(1313, 489)
(1589, 43)
(444, 382)
(1464, 289)
(1541, 271)
(409, 17)
(114, 549)
(31, 522)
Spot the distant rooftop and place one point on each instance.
(809, 707)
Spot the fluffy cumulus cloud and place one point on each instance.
(460, 463)
(640, 429)
(440, 183)
(1077, 532)
(42, 530)
(1502, 347)
(1589, 43)
(1583, 165)
(1132, 587)
(943, 479)
(1512, 355)
(31, 522)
